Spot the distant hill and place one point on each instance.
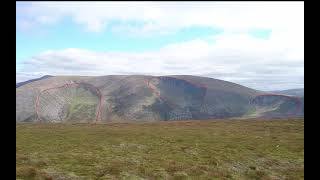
(144, 98)
(292, 92)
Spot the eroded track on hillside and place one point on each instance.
(63, 98)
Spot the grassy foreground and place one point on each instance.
(237, 149)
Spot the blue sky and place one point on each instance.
(238, 42)
(68, 35)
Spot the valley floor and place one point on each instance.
(226, 149)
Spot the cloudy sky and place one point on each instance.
(256, 44)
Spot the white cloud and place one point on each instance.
(166, 16)
(241, 58)
(273, 63)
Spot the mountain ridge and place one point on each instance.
(31, 80)
(143, 98)
(292, 92)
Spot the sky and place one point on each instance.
(256, 44)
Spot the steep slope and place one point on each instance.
(276, 106)
(142, 98)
